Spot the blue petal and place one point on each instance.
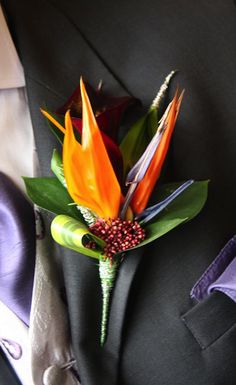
(151, 212)
(128, 198)
(139, 170)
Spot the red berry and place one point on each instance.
(119, 235)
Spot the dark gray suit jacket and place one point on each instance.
(132, 45)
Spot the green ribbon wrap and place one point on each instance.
(107, 273)
(73, 234)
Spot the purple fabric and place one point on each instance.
(220, 275)
(226, 282)
(17, 249)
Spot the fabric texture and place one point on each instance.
(17, 142)
(11, 71)
(132, 46)
(49, 330)
(49, 340)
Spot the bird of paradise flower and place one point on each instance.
(95, 217)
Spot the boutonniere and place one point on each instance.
(101, 188)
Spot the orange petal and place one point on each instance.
(145, 187)
(90, 178)
(74, 168)
(53, 120)
(107, 191)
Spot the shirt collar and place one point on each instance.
(11, 70)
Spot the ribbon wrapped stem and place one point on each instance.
(107, 273)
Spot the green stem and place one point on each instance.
(107, 273)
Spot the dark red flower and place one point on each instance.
(108, 110)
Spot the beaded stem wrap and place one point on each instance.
(107, 273)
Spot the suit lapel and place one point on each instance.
(54, 56)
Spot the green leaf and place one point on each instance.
(183, 209)
(136, 140)
(152, 122)
(49, 194)
(74, 235)
(57, 167)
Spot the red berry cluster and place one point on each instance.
(119, 235)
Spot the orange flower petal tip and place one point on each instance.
(145, 187)
(53, 120)
(89, 174)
